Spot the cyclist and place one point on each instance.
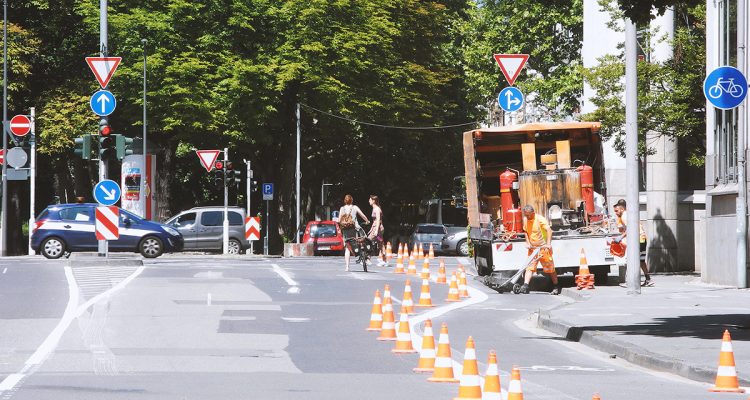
(349, 225)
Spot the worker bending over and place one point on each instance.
(538, 236)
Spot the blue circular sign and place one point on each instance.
(103, 103)
(107, 192)
(510, 99)
(725, 87)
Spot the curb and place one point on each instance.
(94, 260)
(632, 353)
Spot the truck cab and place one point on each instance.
(558, 169)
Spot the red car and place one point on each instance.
(325, 236)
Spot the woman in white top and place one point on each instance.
(349, 233)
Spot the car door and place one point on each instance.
(78, 227)
(210, 230)
(237, 227)
(130, 232)
(187, 224)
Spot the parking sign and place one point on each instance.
(268, 191)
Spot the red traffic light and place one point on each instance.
(105, 130)
(219, 165)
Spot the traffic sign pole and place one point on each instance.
(103, 49)
(249, 192)
(225, 235)
(32, 179)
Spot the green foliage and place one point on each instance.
(670, 100)
(549, 31)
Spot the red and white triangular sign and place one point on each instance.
(208, 158)
(511, 65)
(103, 68)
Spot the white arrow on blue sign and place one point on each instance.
(510, 99)
(107, 192)
(103, 103)
(725, 87)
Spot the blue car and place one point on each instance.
(64, 228)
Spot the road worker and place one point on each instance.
(538, 236)
(622, 225)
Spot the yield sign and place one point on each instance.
(208, 158)
(511, 65)
(103, 68)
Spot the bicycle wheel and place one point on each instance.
(363, 260)
(714, 91)
(736, 91)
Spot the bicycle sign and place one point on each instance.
(725, 87)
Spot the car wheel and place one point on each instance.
(52, 248)
(234, 247)
(151, 247)
(462, 248)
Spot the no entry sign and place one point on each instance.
(20, 125)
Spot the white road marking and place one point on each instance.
(5, 270)
(295, 319)
(71, 313)
(208, 299)
(293, 286)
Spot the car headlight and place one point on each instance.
(171, 231)
(450, 237)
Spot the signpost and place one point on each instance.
(252, 228)
(20, 125)
(107, 192)
(510, 99)
(511, 65)
(208, 158)
(267, 196)
(103, 103)
(725, 87)
(107, 223)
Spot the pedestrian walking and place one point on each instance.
(538, 236)
(377, 229)
(349, 225)
(622, 226)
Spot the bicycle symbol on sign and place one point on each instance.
(725, 86)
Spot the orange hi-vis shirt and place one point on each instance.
(536, 230)
(622, 226)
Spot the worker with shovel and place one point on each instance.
(538, 236)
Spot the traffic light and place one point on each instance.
(233, 176)
(219, 173)
(124, 146)
(83, 147)
(253, 185)
(106, 142)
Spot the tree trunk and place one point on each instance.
(165, 160)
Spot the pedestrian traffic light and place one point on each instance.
(124, 146)
(233, 176)
(82, 147)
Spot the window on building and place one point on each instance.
(725, 125)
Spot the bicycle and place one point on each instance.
(727, 86)
(362, 247)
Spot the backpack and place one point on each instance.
(346, 221)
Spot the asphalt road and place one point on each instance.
(205, 327)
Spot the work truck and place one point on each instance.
(558, 169)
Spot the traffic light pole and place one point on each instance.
(103, 48)
(225, 235)
(32, 178)
(4, 194)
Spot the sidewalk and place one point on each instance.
(675, 326)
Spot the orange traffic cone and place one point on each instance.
(424, 297)
(584, 279)
(469, 387)
(463, 291)
(492, 390)
(441, 278)
(387, 295)
(443, 363)
(407, 304)
(412, 270)
(427, 354)
(415, 250)
(431, 254)
(453, 290)
(403, 339)
(388, 329)
(399, 262)
(596, 397)
(583, 268)
(388, 253)
(376, 316)
(726, 377)
(514, 387)
(420, 255)
(425, 274)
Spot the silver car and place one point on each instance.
(202, 229)
(456, 242)
(428, 234)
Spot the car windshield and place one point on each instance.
(430, 229)
(322, 230)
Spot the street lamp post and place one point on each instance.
(322, 196)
